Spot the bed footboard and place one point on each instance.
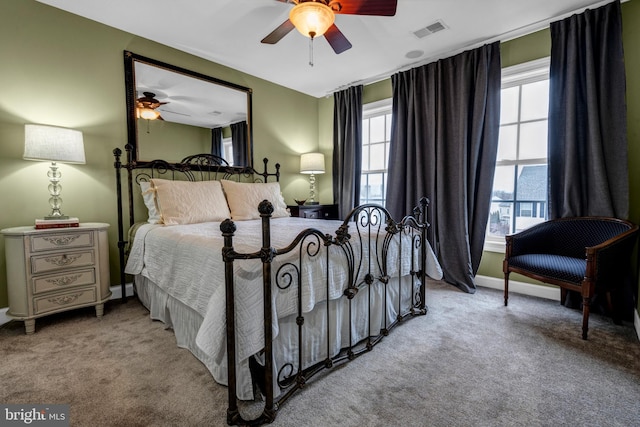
(374, 277)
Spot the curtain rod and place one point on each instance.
(504, 37)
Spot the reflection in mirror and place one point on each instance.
(173, 113)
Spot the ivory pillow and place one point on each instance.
(186, 202)
(149, 197)
(244, 198)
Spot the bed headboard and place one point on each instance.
(197, 167)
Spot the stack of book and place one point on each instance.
(57, 223)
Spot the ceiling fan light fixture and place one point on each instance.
(312, 19)
(148, 113)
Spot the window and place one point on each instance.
(227, 150)
(376, 134)
(519, 197)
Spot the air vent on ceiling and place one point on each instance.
(430, 29)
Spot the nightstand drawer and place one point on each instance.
(311, 214)
(57, 261)
(63, 280)
(66, 240)
(314, 211)
(64, 301)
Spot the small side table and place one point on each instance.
(55, 270)
(314, 211)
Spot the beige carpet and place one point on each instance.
(469, 362)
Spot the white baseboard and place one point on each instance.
(3, 315)
(548, 292)
(116, 291)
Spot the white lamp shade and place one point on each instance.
(51, 143)
(312, 163)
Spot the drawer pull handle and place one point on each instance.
(61, 240)
(63, 281)
(64, 299)
(63, 260)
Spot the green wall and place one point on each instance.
(64, 70)
(158, 139)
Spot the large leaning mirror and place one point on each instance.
(173, 113)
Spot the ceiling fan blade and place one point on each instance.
(275, 36)
(337, 40)
(367, 7)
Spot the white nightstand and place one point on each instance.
(54, 270)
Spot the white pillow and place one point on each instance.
(149, 197)
(186, 202)
(244, 198)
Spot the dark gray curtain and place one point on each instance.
(216, 142)
(588, 172)
(446, 118)
(239, 137)
(347, 148)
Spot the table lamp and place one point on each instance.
(312, 164)
(54, 144)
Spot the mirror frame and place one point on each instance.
(130, 59)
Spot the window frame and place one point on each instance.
(227, 150)
(370, 110)
(518, 75)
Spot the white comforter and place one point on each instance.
(186, 262)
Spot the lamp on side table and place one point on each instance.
(312, 164)
(54, 144)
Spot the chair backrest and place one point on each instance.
(570, 236)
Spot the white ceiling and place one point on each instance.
(228, 32)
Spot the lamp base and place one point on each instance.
(55, 217)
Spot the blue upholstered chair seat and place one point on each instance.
(558, 267)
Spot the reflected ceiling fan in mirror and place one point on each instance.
(314, 18)
(146, 106)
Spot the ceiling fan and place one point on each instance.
(314, 18)
(147, 105)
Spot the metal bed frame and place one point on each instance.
(363, 240)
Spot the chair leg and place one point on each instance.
(506, 288)
(585, 316)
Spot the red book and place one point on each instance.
(57, 223)
(68, 225)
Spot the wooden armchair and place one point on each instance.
(579, 254)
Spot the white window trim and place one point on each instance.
(518, 74)
(226, 142)
(372, 109)
(526, 72)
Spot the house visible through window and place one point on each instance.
(376, 134)
(519, 197)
